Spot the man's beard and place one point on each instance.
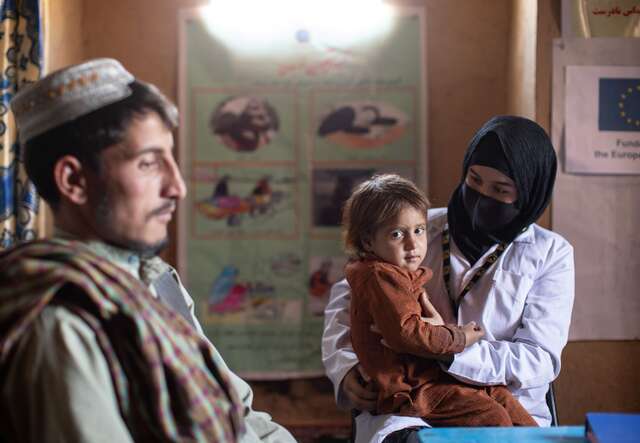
(143, 249)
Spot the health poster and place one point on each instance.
(278, 125)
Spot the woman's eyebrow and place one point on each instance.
(504, 183)
(474, 174)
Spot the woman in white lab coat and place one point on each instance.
(491, 264)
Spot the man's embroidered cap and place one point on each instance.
(67, 94)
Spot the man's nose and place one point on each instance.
(174, 183)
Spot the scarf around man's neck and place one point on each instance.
(167, 385)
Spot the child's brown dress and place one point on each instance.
(410, 382)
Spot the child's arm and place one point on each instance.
(398, 316)
(429, 313)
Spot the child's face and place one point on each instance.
(402, 242)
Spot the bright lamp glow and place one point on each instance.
(259, 26)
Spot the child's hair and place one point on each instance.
(375, 203)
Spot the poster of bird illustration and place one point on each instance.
(273, 139)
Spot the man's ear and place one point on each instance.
(71, 179)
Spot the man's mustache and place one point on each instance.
(169, 206)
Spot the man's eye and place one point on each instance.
(147, 164)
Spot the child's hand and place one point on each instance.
(429, 313)
(472, 333)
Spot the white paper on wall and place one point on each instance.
(598, 214)
(602, 118)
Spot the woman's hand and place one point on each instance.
(429, 313)
(360, 391)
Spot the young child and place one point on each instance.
(385, 229)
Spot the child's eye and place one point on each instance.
(419, 231)
(396, 235)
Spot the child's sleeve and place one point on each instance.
(398, 315)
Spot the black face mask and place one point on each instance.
(487, 215)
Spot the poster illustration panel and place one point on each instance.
(273, 138)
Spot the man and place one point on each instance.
(98, 338)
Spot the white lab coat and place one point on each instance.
(523, 301)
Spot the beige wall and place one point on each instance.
(468, 65)
(467, 77)
(140, 33)
(63, 46)
(63, 33)
(522, 59)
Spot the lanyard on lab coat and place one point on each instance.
(446, 266)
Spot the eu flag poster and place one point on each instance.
(619, 104)
(602, 120)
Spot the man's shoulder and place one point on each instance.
(38, 258)
(58, 330)
(57, 320)
(55, 249)
(40, 247)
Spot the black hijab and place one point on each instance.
(528, 159)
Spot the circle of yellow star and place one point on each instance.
(623, 114)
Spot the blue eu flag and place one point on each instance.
(619, 104)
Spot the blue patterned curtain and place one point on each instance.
(20, 64)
